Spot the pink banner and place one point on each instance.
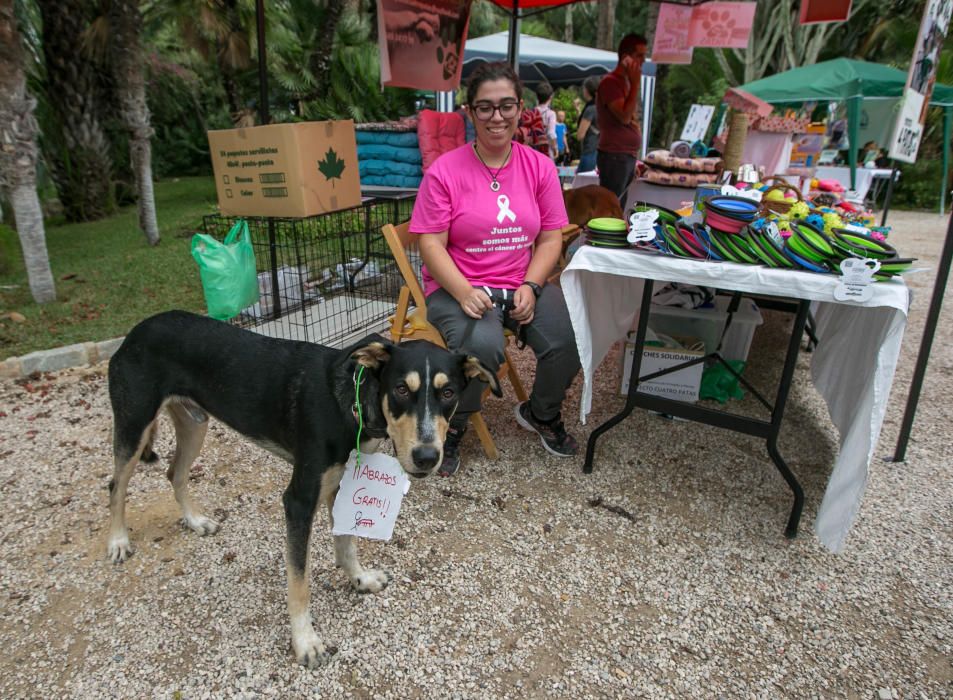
(671, 34)
(421, 42)
(722, 24)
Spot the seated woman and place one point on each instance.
(489, 215)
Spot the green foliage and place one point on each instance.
(919, 185)
(183, 107)
(107, 276)
(565, 100)
(354, 91)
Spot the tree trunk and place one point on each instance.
(568, 31)
(321, 59)
(18, 156)
(651, 20)
(131, 87)
(605, 32)
(78, 152)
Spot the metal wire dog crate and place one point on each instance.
(326, 279)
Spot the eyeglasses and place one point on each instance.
(484, 110)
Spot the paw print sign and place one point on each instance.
(448, 52)
(722, 24)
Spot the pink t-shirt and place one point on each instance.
(490, 234)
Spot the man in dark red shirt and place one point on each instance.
(617, 99)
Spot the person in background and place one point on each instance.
(587, 132)
(562, 148)
(617, 102)
(488, 219)
(871, 156)
(545, 95)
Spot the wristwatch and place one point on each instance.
(537, 290)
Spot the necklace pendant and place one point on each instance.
(495, 186)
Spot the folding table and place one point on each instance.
(852, 367)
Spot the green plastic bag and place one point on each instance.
(720, 384)
(227, 270)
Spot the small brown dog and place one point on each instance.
(591, 202)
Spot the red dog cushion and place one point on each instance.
(437, 133)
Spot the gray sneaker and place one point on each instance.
(552, 433)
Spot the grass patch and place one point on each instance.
(107, 277)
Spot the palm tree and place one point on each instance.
(80, 163)
(126, 25)
(779, 42)
(605, 36)
(221, 31)
(18, 157)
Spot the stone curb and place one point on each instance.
(67, 356)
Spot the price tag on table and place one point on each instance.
(774, 233)
(857, 278)
(642, 226)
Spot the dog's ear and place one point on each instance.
(374, 354)
(474, 369)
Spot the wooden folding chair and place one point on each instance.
(411, 323)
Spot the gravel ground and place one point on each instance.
(508, 583)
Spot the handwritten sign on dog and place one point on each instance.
(369, 496)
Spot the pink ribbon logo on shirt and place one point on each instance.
(503, 202)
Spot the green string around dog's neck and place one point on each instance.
(360, 416)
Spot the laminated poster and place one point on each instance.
(421, 42)
(722, 24)
(671, 34)
(916, 96)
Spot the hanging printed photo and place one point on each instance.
(671, 34)
(421, 43)
(920, 80)
(721, 24)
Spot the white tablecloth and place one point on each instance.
(852, 367)
(865, 177)
(590, 177)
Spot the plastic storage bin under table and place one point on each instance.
(708, 324)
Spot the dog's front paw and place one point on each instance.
(201, 524)
(371, 581)
(119, 548)
(311, 651)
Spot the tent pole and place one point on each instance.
(513, 46)
(853, 136)
(947, 126)
(919, 371)
(889, 196)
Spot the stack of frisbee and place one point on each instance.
(729, 214)
(606, 232)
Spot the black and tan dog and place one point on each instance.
(295, 399)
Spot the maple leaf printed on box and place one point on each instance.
(332, 166)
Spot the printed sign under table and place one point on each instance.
(852, 367)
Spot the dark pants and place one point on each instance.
(587, 163)
(616, 171)
(549, 334)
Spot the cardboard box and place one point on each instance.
(681, 386)
(807, 146)
(289, 170)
